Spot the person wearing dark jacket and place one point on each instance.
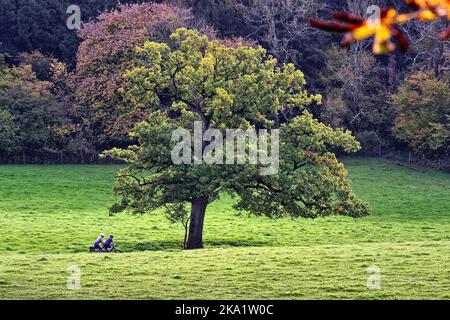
(108, 245)
(98, 242)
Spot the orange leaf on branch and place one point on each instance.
(385, 28)
(430, 10)
(358, 29)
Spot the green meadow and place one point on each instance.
(50, 215)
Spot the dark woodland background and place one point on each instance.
(397, 105)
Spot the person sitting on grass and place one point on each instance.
(98, 242)
(109, 244)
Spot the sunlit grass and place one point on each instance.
(50, 215)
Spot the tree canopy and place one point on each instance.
(106, 51)
(28, 112)
(423, 113)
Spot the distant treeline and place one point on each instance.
(63, 97)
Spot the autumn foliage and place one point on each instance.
(423, 113)
(385, 28)
(106, 52)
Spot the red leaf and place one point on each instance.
(347, 40)
(445, 34)
(347, 17)
(402, 40)
(330, 26)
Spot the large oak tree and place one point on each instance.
(226, 84)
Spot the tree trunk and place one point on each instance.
(186, 228)
(82, 156)
(198, 209)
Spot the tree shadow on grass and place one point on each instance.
(125, 247)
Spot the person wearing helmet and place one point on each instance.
(98, 241)
(108, 245)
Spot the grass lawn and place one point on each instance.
(50, 215)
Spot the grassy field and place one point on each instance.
(50, 215)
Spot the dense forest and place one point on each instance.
(63, 97)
